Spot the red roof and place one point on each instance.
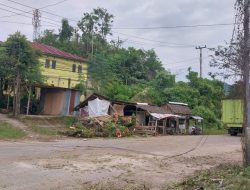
(49, 50)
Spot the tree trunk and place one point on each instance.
(28, 104)
(1, 87)
(8, 101)
(17, 96)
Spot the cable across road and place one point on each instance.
(200, 143)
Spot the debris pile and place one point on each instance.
(103, 126)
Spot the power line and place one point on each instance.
(185, 60)
(173, 27)
(151, 40)
(41, 10)
(150, 44)
(183, 66)
(22, 23)
(26, 16)
(54, 4)
(32, 10)
(26, 12)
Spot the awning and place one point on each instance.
(163, 116)
(196, 117)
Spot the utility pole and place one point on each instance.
(246, 126)
(200, 48)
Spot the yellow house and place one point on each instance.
(63, 72)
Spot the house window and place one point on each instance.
(53, 64)
(79, 69)
(74, 68)
(47, 63)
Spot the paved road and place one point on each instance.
(76, 163)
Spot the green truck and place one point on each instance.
(232, 115)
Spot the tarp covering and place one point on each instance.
(162, 116)
(98, 107)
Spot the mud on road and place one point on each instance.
(135, 162)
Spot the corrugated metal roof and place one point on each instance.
(178, 109)
(154, 109)
(95, 95)
(49, 50)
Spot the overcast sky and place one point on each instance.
(141, 13)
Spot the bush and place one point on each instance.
(111, 129)
(210, 119)
(90, 128)
(87, 132)
(69, 120)
(81, 132)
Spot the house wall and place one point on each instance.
(52, 101)
(119, 109)
(58, 101)
(141, 117)
(59, 77)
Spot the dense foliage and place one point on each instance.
(19, 68)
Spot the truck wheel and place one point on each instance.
(233, 133)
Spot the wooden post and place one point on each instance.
(177, 125)
(164, 127)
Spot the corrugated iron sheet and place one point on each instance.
(49, 50)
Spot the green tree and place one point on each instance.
(49, 37)
(95, 27)
(20, 66)
(66, 32)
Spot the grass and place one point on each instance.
(214, 131)
(113, 186)
(228, 177)
(46, 126)
(7, 131)
(43, 130)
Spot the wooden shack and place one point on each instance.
(121, 108)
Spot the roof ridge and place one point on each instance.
(51, 50)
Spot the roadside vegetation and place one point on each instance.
(47, 126)
(7, 131)
(214, 131)
(112, 186)
(44, 130)
(228, 177)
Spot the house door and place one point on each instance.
(72, 101)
